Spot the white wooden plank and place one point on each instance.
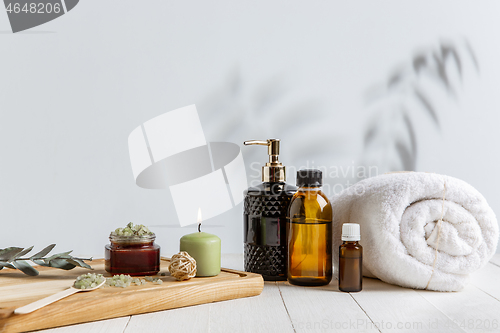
(396, 309)
(496, 259)
(471, 308)
(264, 313)
(253, 314)
(188, 319)
(115, 325)
(324, 309)
(487, 280)
(328, 309)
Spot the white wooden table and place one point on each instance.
(380, 307)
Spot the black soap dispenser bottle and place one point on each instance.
(265, 213)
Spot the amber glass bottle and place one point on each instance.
(350, 259)
(309, 232)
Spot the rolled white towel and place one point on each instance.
(398, 214)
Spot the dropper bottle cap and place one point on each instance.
(350, 232)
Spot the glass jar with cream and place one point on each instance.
(132, 251)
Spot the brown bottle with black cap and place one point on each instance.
(309, 232)
(264, 217)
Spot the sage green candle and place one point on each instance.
(205, 249)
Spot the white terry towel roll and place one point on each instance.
(398, 214)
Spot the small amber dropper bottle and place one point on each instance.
(350, 259)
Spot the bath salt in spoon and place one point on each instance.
(85, 282)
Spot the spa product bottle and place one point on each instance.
(264, 218)
(309, 232)
(350, 259)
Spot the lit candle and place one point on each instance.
(204, 248)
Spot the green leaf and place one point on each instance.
(79, 262)
(25, 268)
(6, 264)
(64, 255)
(23, 252)
(40, 262)
(44, 252)
(61, 263)
(9, 253)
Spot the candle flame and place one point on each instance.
(199, 215)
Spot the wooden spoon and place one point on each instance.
(51, 299)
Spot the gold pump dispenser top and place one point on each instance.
(273, 171)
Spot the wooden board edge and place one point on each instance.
(248, 285)
(229, 270)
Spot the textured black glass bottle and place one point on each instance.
(264, 229)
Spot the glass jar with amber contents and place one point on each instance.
(132, 255)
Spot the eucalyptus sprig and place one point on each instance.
(12, 257)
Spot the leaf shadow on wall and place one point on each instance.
(390, 140)
(275, 108)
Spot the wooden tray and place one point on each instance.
(17, 289)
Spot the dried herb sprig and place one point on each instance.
(12, 257)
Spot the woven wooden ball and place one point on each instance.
(182, 266)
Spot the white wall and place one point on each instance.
(73, 89)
